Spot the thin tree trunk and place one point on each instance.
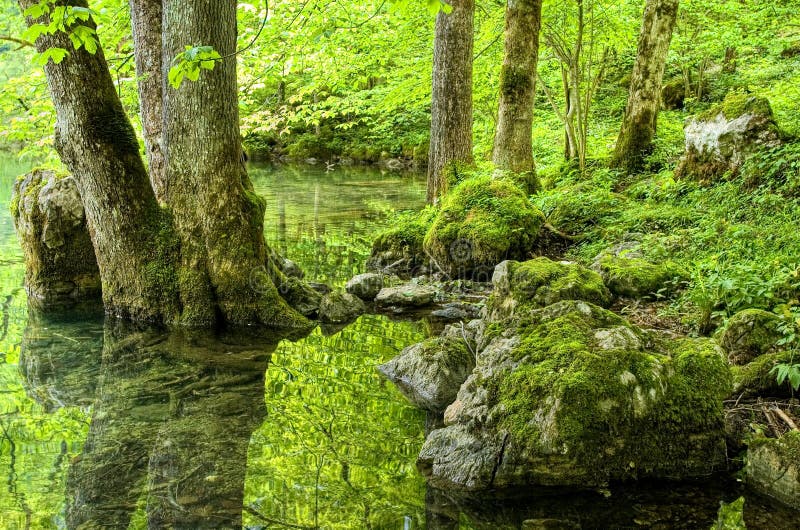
(146, 26)
(513, 150)
(218, 217)
(130, 233)
(644, 100)
(451, 97)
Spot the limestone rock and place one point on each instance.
(573, 395)
(430, 373)
(337, 307)
(60, 264)
(628, 275)
(773, 468)
(720, 140)
(365, 286)
(407, 295)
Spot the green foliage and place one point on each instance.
(789, 373)
(189, 63)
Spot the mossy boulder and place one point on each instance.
(580, 209)
(574, 395)
(399, 249)
(430, 373)
(522, 286)
(750, 333)
(756, 378)
(482, 221)
(60, 264)
(773, 468)
(720, 140)
(635, 277)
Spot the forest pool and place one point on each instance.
(114, 426)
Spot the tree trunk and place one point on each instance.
(635, 139)
(95, 140)
(451, 96)
(218, 217)
(513, 150)
(146, 26)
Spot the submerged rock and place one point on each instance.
(750, 333)
(773, 468)
(481, 222)
(571, 394)
(407, 295)
(720, 140)
(337, 307)
(430, 373)
(60, 264)
(365, 286)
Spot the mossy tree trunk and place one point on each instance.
(635, 139)
(451, 97)
(201, 260)
(513, 150)
(97, 143)
(146, 26)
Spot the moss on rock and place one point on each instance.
(750, 333)
(482, 221)
(773, 467)
(403, 241)
(639, 278)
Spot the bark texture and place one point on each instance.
(451, 97)
(146, 26)
(218, 217)
(95, 140)
(635, 139)
(513, 150)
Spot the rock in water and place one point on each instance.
(337, 307)
(720, 140)
(566, 393)
(60, 264)
(408, 295)
(430, 373)
(365, 286)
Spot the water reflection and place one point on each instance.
(172, 418)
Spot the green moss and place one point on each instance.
(406, 235)
(757, 378)
(581, 209)
(637, 278)
(482, 221)
(737, 104)
(514, 81)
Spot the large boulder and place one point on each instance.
(430, 373)
(719, 141)
(773, 468)
(573, 395)
(750, 333)
(482, 221)
(757, 378)
(60, 264)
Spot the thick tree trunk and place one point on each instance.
(130, 233)
(218, 217)
(513, 150)
(451, 97)
(146, 25)
(635, 139)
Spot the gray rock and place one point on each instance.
(365, 286)
(290, 268)
(773, 468)
(430, 373)
(457, 311)
(407, 295)
(60, 264)
(719, 141)
(572, 395)
(337, 307)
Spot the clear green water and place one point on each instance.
(107, 426)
